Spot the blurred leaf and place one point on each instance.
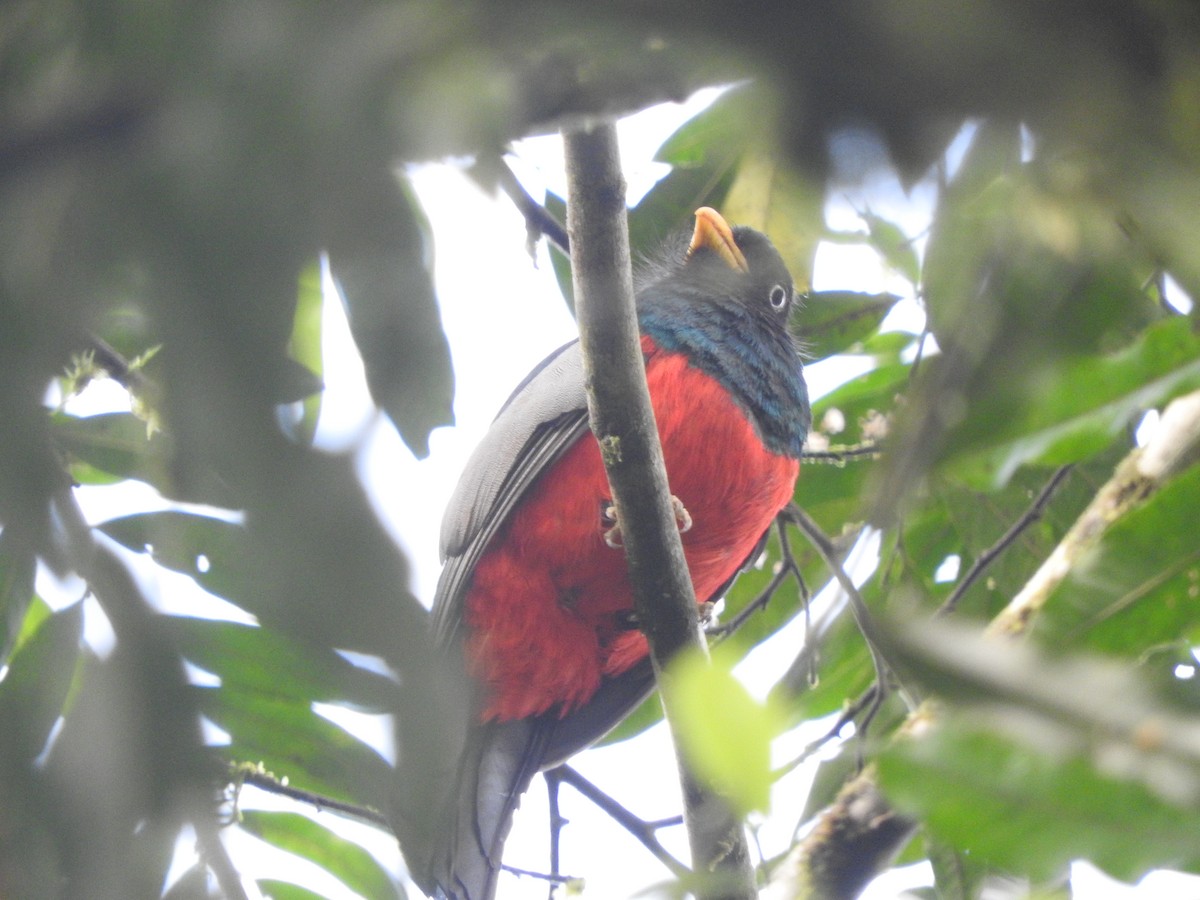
(1138, 588)
(293, 742)
(285, 890)
(305, 345)
(781, 202)
(296, 382)
(381, 257)
(894, 246)
(557, 207)
(702, 154)
(271, 664)
(832, 322)
(18, 565)
(957, 876)
(1032, 812)
(210, 550)
(863, 406)
(1029, 757)
(1081, 405)
(725, 733)
(35, 689)
(118, 444)
(191, 885)
(349, 862)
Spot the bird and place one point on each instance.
(534, 596)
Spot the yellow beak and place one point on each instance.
(714, 232)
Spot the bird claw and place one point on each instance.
(612, 533)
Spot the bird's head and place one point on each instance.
(723, 264)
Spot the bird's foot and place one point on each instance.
(611, 525)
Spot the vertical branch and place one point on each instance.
(623, 422)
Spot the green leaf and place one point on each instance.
(703, 154)
(784, 604)
(292, 741)
(956, 520)
(726, 735)
(305, 344)
(894, 246)
(381, 257)
(1138, 588)
(1032, 812)
(857, 406)
(260, 660)
(832, 322)
(557, 207)
(34, 692)
(344, 859)
(1081, 405)
(781, 202)
(209, 550)
(1029, 756)
(18, 566)
(118, 444)
(957, 876)
(285, 890)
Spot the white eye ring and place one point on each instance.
(778, 298)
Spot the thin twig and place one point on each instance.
(842, 455)
(116, 365)
(538, 220)
(988, 556)
(862, 615)
(925, 332)
(272, 785)
(554, 880)
(644, 832)
(787, 566)
(849, 714)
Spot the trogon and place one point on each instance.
(534, 595)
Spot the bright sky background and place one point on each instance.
(502, 314)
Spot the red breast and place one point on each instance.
(542, 611)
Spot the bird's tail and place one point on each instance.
(495, 769)
(500, 760)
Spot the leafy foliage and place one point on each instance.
(169, 179)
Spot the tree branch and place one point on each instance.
(855, 839)
(538, 221)
(642, 830)
(267, 782)
(858, 606)
(988, 556)
(623, 422)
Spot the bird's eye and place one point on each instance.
(778, 298)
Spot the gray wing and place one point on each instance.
(545, 415)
